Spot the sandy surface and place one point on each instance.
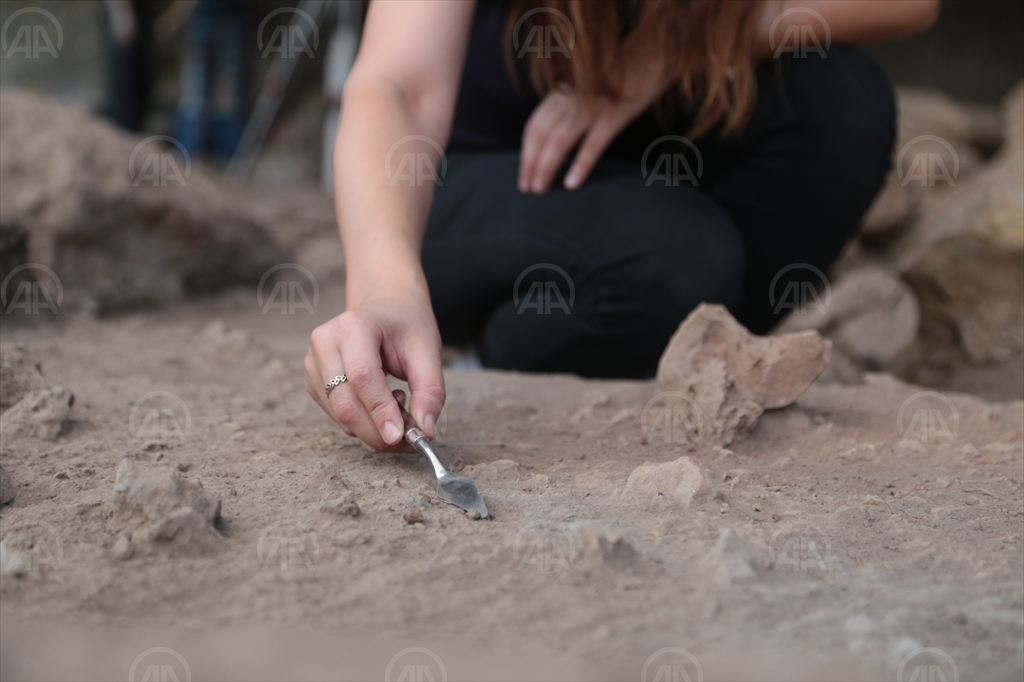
(834, 542)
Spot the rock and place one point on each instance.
(925, 115)
(680, 481)
(734, 559)
(122, 220)
(342, 506)
(872, 318)
(14, 562)
(170, 508)
(19, 374)
(122, 549)
(609, 550)
(153, 492)
(894, 207)
(964, 257)
(732, 376)
(6, 488)
(42, 413)
(185, 527)
(412, 516)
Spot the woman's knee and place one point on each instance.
(845, 106)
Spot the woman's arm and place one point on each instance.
(404, 83)
(849, 21)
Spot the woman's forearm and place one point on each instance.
(382, 222)
(843, 21)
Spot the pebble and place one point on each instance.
(413, 515)
(122, 549)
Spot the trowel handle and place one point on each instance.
(415, 437)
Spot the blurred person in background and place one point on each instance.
(213, 102)
(126, 34)
(786, 148)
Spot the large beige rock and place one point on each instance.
(964, 256)
(117, 233)
(733, 376)
(930, 123)
(872, 318)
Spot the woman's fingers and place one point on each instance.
(361, 354)
(426, 383)
(556, 147)
(555, 107)
(600, 135)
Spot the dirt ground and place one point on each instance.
(872, 531)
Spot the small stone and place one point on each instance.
(13, 562)
(873, 500)
(474, 515)
(342, 506)
(122, 549)
(61, 475)
(681, 481)
(412, 516)
(44, 414)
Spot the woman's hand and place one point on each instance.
(563, 118)
(395, 333)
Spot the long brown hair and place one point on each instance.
(707, 47)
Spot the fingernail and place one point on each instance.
(571, 181)
(428, 424)
(538, 187)
(391, 433)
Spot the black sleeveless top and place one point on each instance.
(490, 112)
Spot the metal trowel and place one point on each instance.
(453, 489)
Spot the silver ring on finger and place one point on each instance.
(334, 383)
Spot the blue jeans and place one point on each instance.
(214, 78)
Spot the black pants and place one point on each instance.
(595, 281)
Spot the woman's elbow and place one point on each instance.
(923, 15)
